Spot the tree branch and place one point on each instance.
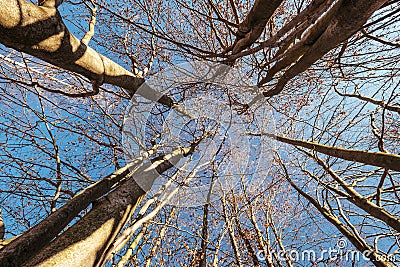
(40, 32)
(379, 159)
(253, 25)
(379, 40)
(90, 33)
(346, 21)
(2, 226)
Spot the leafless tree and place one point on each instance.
(328, 70)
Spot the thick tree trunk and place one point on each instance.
(39, 31)
(39, 236)
(85, 242)
(323, 37)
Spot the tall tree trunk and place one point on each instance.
(86, 240)
(39, 236)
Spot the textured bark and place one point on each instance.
(291, 55)
(161, 198)
(50, 3)
(291, 30)
(40, 32)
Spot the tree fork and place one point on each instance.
(40, 31)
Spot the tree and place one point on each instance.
(328, 69)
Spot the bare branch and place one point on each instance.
(90, 33)
(346, 21)
(379, 40)
(254, 24)
(379, 159)
(370, 100)
(2, 226)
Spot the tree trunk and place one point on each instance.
(85, 242)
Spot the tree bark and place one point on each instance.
(379, 159)
(40, 31)
(2, 226)
(28, 244)
(346, 21)
(251, 28)
(86, 240)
